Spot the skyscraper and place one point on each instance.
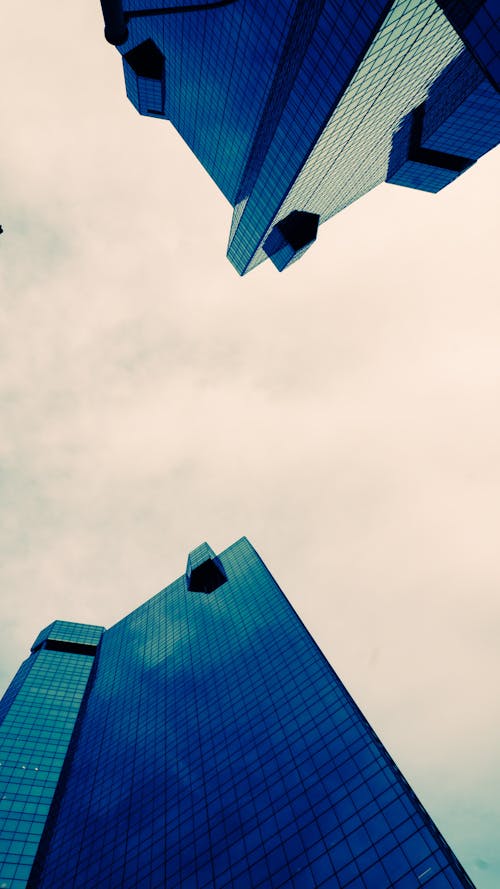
(37, 717)
(214, 747)
(296, 108)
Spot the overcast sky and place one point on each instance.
(344, 415)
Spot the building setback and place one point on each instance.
(296, 108)
(203, 742)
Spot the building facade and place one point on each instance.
(37, 718)
(213, 747)
(296, 108)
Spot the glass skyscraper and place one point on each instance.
(296, 108)
(37, 718)
(203, 742)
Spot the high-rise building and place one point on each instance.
(203, 742)
(37, 718)
(296, 108)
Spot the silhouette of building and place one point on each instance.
(296, 108)
(203, 742)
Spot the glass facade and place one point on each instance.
(456, 125)
(218, 748)
(292, 105)
(37, 717)
(478, 23)
(350, 155)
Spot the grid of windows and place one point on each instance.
(459, 122)
(292, 105)
(66, 631)
(478, 22)
(220, 749)
(213, 98)
(350, 157)
(462, 114)
(37, 716)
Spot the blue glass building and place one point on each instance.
(214, 747)
(37, 718)
(296, 108)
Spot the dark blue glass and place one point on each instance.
(458, 123)
(218, 748)
(292, 105)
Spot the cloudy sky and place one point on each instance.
(343, 415)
